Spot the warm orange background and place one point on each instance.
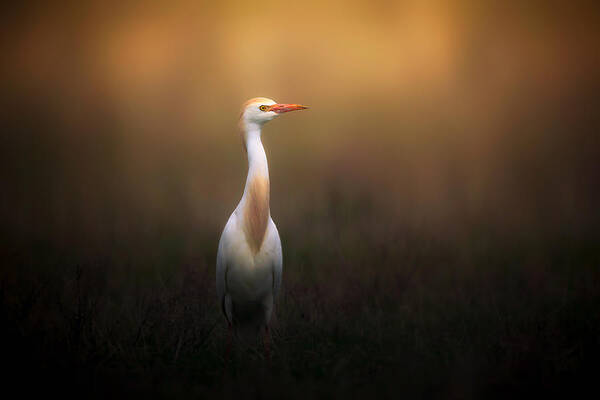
(120, 120)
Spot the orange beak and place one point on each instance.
(282, 108)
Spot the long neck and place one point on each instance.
(255, 201)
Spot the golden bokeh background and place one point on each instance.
(121, 118)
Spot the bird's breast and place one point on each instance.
(249, 273)
(250, 279)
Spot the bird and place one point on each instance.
(249, 257)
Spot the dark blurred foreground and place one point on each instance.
(483, 315)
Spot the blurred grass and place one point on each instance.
(366, 305)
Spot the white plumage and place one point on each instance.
(249, 259)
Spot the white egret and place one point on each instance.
(249, 259)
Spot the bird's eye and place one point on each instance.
(263, 108)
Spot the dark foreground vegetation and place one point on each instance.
(366, 308)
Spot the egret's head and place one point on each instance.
(260, 110)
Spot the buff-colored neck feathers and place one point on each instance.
(256, 212)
